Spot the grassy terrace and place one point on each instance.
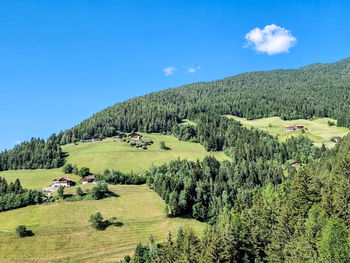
(318, 129)
(35, 179)
(121, 156)
(63, 233)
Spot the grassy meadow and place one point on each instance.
(113, 155)
(318, 129)
(63, 233)
(35, 179)
(121, 156)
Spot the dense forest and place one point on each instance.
(12, 195)
(34, 154)
(203, 188)
(318, 90)
(304, 218)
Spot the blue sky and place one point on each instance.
(62, 61)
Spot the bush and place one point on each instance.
(68, 168)
(75, 170)
(22, 231)
(60, 191)
(163, 146)
(98, 192)
(79, 192)
(84, 171)
(96, 221)
(331, 123)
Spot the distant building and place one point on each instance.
(134, 136)
(65, 182)
(336, 138)
(295, 164)
(95, 139)
(88, 179)
(121, 136)
(294, 127)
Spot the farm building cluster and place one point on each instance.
(95, 139)
(132, 136)
(62, 181)
(294, 127)
(67, 182)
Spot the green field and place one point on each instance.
(121, 156)
(35, 179)
(99, 156)
(63, 233)
(318, 129)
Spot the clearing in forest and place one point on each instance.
(317, 130)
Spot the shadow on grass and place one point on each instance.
(87, 196)
(107, 223)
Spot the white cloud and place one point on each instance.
(169, 71)
(193, 69)
(272, 39)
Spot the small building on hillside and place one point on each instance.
(96, 139)
(294, 127)
(289, 128)
(65, 182)
(135, 136)
(336, 138)
(121, 136)
(88, 179)
(295, 164)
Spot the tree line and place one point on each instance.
(34, 154)
(12, 195)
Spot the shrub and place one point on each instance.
(60, 191)
(68, 168)
(96, 221)
(84, 171)
(75, 170)
(22, 231)
(79, 192)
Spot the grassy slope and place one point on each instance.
(114, 155)
(63, 234)
(35, 179)
(320, 131)
(121, 156)
(62, 231)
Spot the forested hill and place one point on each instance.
(321, 90)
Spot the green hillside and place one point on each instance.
(318, 90)
(63, 233)
(121, 156)
(108, 154)
(317, 130)
(35, 179)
